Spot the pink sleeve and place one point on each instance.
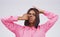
(52, 19)
(9, 23)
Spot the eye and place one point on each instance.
(34, 14)
(29, 13)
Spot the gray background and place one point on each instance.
(19, 7)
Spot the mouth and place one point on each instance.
(30, 19)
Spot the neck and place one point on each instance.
(31, 25)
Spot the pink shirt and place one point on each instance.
(25, 31)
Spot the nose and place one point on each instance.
(31, 15)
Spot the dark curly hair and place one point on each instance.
(26, 23)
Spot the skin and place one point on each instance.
(31, 17)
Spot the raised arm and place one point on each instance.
(52, 19)
(9, 22)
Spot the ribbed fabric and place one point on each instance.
(26, 31)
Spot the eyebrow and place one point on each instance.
(33, 13)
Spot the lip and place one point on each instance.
(30, 19)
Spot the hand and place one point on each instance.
(24, 17)
(41, 11)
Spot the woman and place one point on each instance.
(32, 27)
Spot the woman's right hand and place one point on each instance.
(24, 17)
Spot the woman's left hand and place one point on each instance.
(41, 11)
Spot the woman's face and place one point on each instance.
(31, 16)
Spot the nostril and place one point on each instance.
(30, 16)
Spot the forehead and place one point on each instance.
(32, 11)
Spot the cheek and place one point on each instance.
(34, 18)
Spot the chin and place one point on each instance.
(31, 22)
